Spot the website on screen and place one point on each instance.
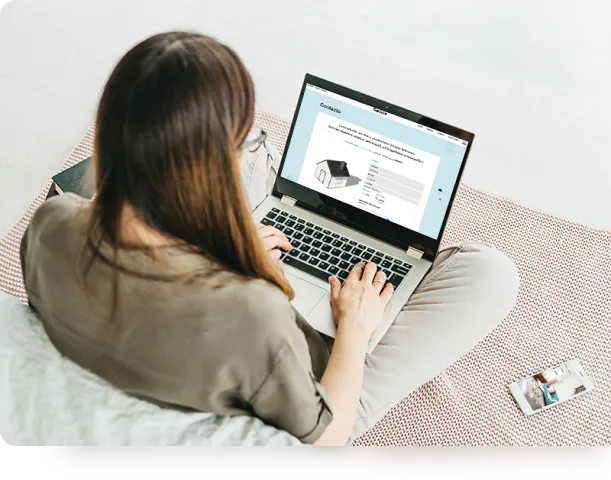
(386, 165)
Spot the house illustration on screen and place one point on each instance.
(335, 174)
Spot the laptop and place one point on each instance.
(361, 180)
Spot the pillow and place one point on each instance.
(45, 399)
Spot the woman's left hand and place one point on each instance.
(274, 240)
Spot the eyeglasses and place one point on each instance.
(255, 144)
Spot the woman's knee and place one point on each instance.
(490, 272)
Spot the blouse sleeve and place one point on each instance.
(23, 248)
(23, 252)
(290, 398)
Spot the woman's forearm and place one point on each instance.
(343, 380)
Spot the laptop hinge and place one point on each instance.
(290, 201)
(414, 252)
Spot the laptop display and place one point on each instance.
(400, 170)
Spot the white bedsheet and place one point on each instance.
(45, 399)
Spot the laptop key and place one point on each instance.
(355, 260)
(400, 270)
(317, 228)
(386, 264)
(317, 243)
(333, 269)
(343, 239)
(346, 256)
(326, 248)
(305, 248)
(292, 217)
(290, 223)
(313, 261)
(323, 265)
(271, 215)
(376, 260)
(289, 231)
(298, 235)
(309, 224)
(344, 265)
(352, 242)
(395, 280)
(299, 227)
(343, 274)
(333, 260)
(323, 256)
(371, 250)
(295, 244)
(366, 256)
(336, 252)
(267, 221)
(357, 251)
(307, 240)
(305, 267)
(308, 231)
(300, 220)
(346, 247)
(318, 235)
(275, 210)
(326, 232)
(396, 260)
(327, 239)
(335, 235)
(294, 252)
(314, 252)
(304, 256)
(337, 243)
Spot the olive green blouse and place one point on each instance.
(184, 334)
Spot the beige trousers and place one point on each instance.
(469, 290)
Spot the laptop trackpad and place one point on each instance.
(321, 317)
(307, 295)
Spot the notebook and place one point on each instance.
(76, 179)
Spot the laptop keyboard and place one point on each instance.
(322, 253)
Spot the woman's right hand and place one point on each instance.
(360, 302)
(274, 240)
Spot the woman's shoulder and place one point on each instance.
(57, 215)
(59, 207)
(65, 202)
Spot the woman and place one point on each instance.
(165, 287)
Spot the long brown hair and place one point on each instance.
(170, 122)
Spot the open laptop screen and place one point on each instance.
(400, 170)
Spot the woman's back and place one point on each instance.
(163, 284)
(184, 333)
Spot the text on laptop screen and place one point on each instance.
(381, 163)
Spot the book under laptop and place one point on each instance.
(361, 180)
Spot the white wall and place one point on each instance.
(530, 78)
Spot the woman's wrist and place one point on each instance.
(356, 332)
